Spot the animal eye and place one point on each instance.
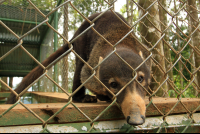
(114, 84)
(140, 79)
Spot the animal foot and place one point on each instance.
(89, 99)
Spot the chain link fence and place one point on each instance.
(170, 30)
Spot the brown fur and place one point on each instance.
(113, 72)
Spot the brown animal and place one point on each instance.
(113, 72)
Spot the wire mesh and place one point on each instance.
(170, 30)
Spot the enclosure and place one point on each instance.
(31, 30)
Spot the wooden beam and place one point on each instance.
(21, 116)
(50, 97)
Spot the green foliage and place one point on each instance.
(186, 66)
(123, 10)
(87, 8)
(135, 16)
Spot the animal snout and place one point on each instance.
(134, 108)
(135, 120)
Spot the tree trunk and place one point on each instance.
(150, 35)
(3, 87)
(167, 53)
(195, 37)
(65, 59)
(129, 11)
(179, 48)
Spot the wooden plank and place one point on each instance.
(166, 104)
(50, 97)
(62, 97)
(20, 116)
(52, 94)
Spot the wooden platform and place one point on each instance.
(19, 115)
(52, 97)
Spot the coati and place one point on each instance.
(113, 72)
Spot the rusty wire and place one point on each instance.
(146, 20)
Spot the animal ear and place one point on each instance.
(98, 68)
(100, 59)
(141, 54)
